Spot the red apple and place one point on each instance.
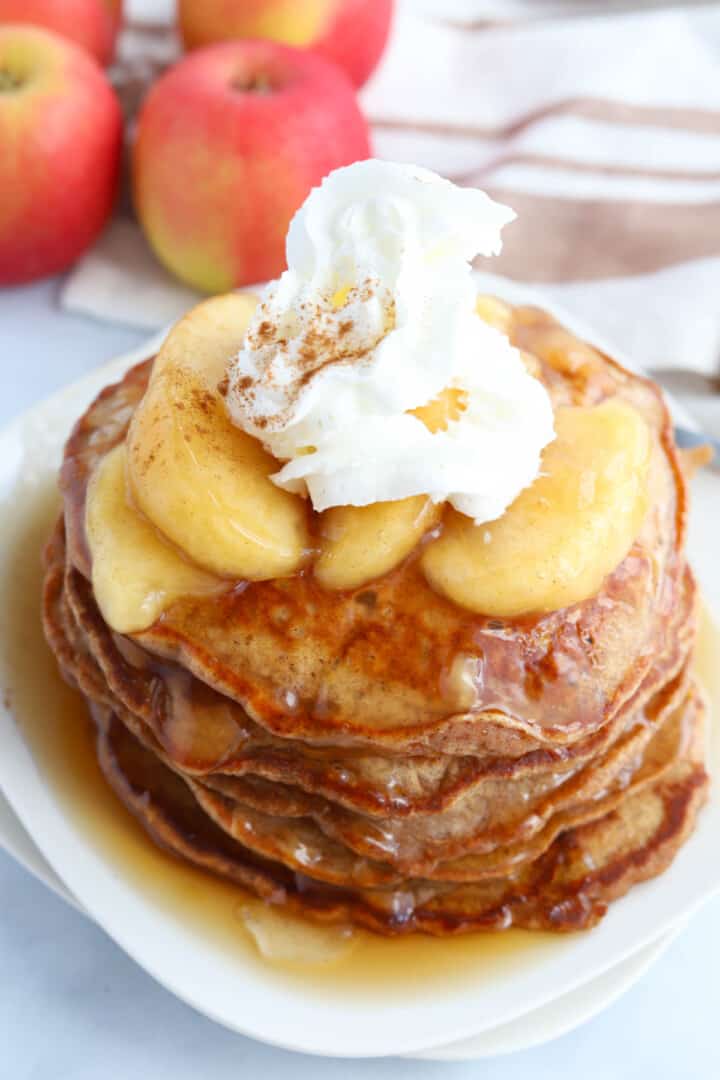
(350, 32)
(93, 24)
(229, 143)
(61, 136)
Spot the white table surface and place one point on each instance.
(74, 1007)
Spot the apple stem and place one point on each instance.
(8, 81)
(257, 84)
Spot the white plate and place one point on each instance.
(558, 1017)
(244, 996)
(538, 1026)
(15, 840)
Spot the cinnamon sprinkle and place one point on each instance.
(318, 347)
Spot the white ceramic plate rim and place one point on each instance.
(558, 1017)
(243, 999)
(16, 841)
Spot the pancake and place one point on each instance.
(568, 889)
(317, 747)
(532, 779)
(202, 732)
(274, 822)
(496, 817)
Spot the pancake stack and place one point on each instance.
(319, 747)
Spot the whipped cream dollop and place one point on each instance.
(374, 317)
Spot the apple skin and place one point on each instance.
(92, 24)
(229, 143)
(61, 139)
(356, 37)
(352, 33)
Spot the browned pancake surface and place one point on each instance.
(568, 888)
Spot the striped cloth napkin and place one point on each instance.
(603, 135)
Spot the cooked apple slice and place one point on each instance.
(448, 405)
(136, 574)
(562, 536)
(361, 543)
(201, 480)
(494, 312)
